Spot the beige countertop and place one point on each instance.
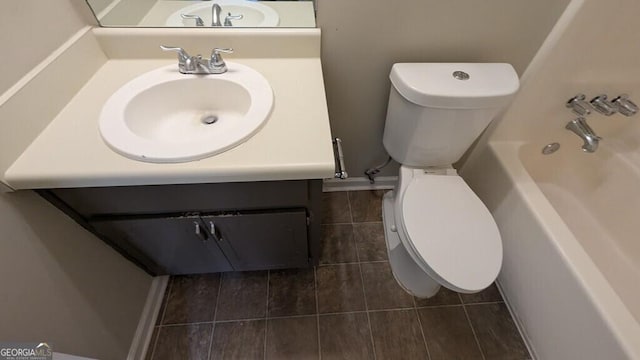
(295, 143)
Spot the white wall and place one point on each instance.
(59, 283)
(361, 39)
(29, 31)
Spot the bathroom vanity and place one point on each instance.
(202, 228)
(254, 206)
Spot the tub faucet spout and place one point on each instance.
(580, 127)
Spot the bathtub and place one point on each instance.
(570, 226)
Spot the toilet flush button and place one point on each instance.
(394, 228)
(461, 75)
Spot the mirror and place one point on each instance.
(204, 13)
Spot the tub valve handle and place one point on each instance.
(579, 105)
(624, 105)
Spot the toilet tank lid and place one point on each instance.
(445, 85)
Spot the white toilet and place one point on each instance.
(437, 230)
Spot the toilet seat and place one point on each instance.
(450, 232)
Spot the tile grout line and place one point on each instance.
(266, 317)
(315, 291)
(262, 318)
(364, 292)
(355, 262)
(483, 303)
(351, 223)
(438, 306)
(164, 311)
(350, 209)
(215, 314)
(186, 324)
(475, 336)
(424, 337)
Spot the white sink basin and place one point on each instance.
(254, 14)
(166, 116)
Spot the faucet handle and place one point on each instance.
(625, 106)
(602, 105)
(186, 62)
(183, 56)
(578, 105)
(198, 19)
(229, 17)
(217, 63)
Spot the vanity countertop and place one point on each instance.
(295, 143)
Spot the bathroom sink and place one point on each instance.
(166, 116)
(253, 14)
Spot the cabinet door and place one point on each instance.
(262, 240)
(177, 245)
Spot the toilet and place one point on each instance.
(438, 232)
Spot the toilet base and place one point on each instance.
(406, 272)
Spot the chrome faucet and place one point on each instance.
(580, 127)
(603, 106)
(188, 64)
(578, 105)
(624, 105)
(215, 15)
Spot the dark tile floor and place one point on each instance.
(349, 307)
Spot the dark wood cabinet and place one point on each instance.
(201, 228)
(261, 241)
(176, 245)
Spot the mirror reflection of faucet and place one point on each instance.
(229, 17)
(216, 12)
(197, 18)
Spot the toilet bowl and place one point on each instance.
(438, 232)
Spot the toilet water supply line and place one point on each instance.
(372, 172)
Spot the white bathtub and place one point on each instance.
(570, 225)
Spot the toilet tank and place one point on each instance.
(437, 110)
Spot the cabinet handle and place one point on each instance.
(214, 231)
(198, 231)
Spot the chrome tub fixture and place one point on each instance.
(580, 127)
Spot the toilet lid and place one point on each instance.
(452, 231)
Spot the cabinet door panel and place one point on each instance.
(172, 243)
(263, 241)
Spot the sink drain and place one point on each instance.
(209, 119)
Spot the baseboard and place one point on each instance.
(519, 325)
(359, 183)
(142, 336)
